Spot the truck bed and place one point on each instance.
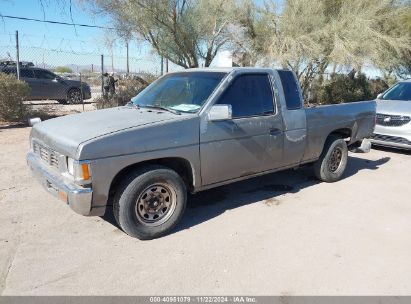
(322, 120)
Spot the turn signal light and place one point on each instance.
(85, 171)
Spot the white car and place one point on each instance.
(393, 125)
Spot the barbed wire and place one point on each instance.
(12, 35)
(57, 22)
(65, 45)
(76, 53)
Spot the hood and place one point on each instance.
(65, 134)
(394, 107)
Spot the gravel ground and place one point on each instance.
(282, 234)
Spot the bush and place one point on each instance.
(346, 88)
(126, 89)
(12, 94)
(378, 86)
(63, 69)
(343, 88)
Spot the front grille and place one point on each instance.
(393, 139)
(46, 154)
(392, 120)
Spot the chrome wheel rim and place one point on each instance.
(75, 96)
(155, 204)
(335, 159)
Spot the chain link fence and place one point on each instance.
(63, 79)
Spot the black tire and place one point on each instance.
(74, 96)
(129, 204)
(333, 160)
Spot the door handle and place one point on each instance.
(274, 131)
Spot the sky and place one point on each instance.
(80, 47)
(53, 10)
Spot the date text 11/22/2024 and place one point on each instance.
(203, 299)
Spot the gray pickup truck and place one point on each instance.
(190, 131)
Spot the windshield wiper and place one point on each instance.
(160, 108)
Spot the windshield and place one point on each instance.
(183, 92)
(401, 91)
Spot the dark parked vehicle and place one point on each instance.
(47, 85)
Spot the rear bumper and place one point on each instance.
(78, 198)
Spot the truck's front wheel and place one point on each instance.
(333, 160)
(150, 202)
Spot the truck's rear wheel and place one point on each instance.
(150, 202)
(333, 160)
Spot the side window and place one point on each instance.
(249, 95)
(26, 73)
(43, 74)
(291, 90)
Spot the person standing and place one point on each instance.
(112, 85)
(106, 84)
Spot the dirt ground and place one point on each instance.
(282, 234)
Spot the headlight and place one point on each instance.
(80, 170)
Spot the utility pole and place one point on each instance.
(17, 55)
(162, 65)
(112, 61)
(166, 65)
(128, 64)
(102, 72)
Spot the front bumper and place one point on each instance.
(390, 141)
(86, 94)
(392, 136)
(78, 198)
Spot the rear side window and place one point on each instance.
(291, 90)
(249, 95)
(26, 73)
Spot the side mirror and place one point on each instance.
(379, 96)
(220, 112)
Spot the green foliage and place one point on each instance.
(63, 69)
(12, 93)
(183, 31)
(347, 88)
(308, 36)
(379, 85)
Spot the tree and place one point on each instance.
(308, 36)
(187, 32)
(110, 42)
(63, 69)
(402, 68)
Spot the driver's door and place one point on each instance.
(240, 146)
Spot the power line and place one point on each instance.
(57, 22)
